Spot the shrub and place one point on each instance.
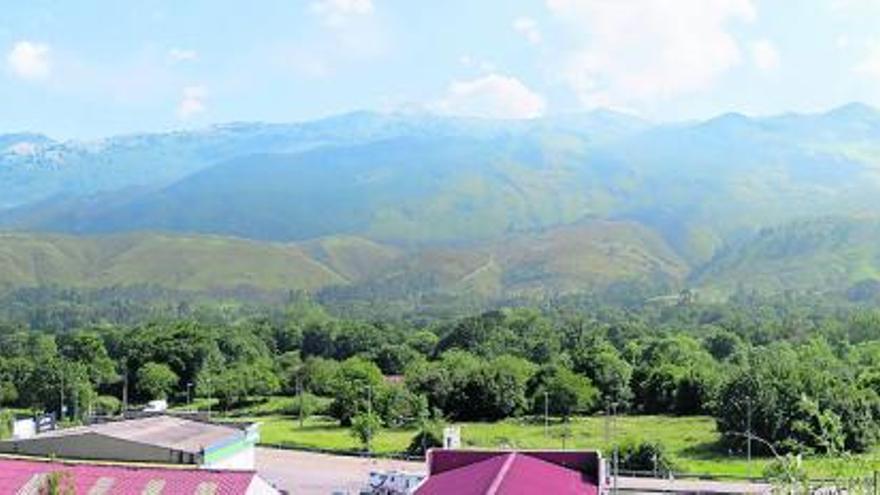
(6, 418)
(107, 405)
(423, 441)
(364, 428)
(645, 456)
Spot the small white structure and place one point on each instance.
(24, 428)
(156, 406)
(452, 437)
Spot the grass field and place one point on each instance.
(692, 441)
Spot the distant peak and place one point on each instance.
(731, 117)
(854, 110)
(727, 120)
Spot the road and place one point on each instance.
(322, 474)
(309, 473)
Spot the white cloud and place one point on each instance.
(472, 62)
(528, 28)
(192, 103)
(336, 13)
(29, 60)
(633, 52)
(870, 64)
(765, 56)
(491, 96)
(853, 6)
(182, 55)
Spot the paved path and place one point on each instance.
(323, 474)
(309, 473)
(653, 485)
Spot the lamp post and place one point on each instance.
(189, 396)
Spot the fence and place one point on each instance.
(856, 485)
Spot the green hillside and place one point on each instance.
(179, 262)
(823, 254)
(560, 260)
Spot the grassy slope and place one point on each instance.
(567, 258)
(189, 263)
(690, 440)
(831, 253)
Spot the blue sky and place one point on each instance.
(91, 68)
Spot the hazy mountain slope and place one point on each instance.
(821, 254)
(409, 190)
(34, 167)
(419, 180)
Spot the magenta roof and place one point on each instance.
(510, 473)
(18, 475)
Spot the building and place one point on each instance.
(156, 439)
(474, 472)
(19, 476)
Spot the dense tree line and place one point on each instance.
(800, 375)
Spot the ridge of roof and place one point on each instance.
(499, 476)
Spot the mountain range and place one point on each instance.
(558, 204)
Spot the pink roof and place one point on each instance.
(123, 480)
(510, 473)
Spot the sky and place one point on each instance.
(93, 68)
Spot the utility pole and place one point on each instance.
(608, 426)
(299, 392)
(124, 387)
(546, 414)
(369, 418)
(615, 471)
(749, 435)
(210, 393)
(61, 405)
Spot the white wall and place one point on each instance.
(24, 428)
(259, 486)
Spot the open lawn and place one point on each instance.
(692, 441)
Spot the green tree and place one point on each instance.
(599, 361)
(156, 381)
(364, 427)
(393, 359)
(398, 406)
(357, 382)
(565, 392)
